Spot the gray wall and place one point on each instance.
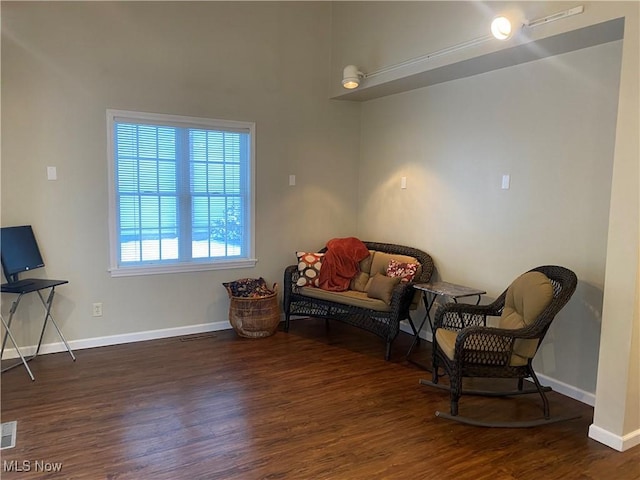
(64, 64)
(373, 35)
(550, 125)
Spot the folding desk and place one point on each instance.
(21, 289)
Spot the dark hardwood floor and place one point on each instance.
(310, 404)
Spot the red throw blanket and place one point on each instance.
(340, 263)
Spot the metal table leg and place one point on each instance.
(7, 325)
(47, 305)
(427, 316)
(7, 333)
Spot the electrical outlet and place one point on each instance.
(97, 309)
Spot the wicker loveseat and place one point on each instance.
(355, 306)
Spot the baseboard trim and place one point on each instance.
(10, 353)
(568, 390)
(119, 339)
(617, 442)
(558, 386)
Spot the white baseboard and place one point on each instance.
(620, 443)
(119, 339)
(558, 386)
(614, 441)
(568, 390)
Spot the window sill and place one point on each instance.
(181, 268)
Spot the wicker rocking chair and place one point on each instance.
(464, 346)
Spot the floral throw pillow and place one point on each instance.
(309, 265)
(406, 271)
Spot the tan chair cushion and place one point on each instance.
(377, 262)
(380, 264)
(446, 341)
(381, 287)
(526, 299)
(359, 282)
(350, 297)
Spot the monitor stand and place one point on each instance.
(29, 286)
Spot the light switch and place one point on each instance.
(403, 182)
(52, 173)
(292, 180)
(506, 181)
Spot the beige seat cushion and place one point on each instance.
(526, 299)
(446, 341)
(349, 297)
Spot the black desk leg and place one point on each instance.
(416, 338)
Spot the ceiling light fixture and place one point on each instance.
(500, 28)
(351, 77)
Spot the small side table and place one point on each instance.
(431, 291)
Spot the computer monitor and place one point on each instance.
(19, 251)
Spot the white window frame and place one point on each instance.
(117, 270)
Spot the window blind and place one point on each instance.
(182, 191)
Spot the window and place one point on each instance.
(181, 193)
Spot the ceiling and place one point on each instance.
(590, 36)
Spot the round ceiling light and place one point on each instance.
(501, 28)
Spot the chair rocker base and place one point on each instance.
(486, 393)
(500, 424)
(505, 424)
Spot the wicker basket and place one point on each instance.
(255, 317)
